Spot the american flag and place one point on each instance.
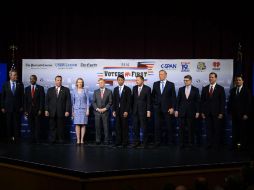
(13, 48)
(238, 63)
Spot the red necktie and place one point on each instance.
(211, 91)
(33, 91)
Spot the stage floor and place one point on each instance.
(91, 160)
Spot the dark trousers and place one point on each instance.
(34, 121)
(3, 130)
(198, 126)
(104, 118)
(187, 128)
(239, 131)
(140, 121)
(56, 129)
(122, 129)
(214, 130)
(161, 118)
(13, 125)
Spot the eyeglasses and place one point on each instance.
(186, 80)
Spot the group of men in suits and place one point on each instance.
(141, 102)
(16, 100)
(188, 106)
(120, 101)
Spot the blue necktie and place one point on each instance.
(13, 88)
(162, 86)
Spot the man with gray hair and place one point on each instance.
(164, 100)
(12, 105)
(102, 101)
(187, 109)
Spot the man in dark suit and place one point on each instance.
(121, 111)
(34, 101)
(12, 105)
(102, 101)
(164, 100)
(239, 106)
(213, 110)
(57, 108)
(141, 96)
(187, 109)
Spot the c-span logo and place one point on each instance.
(169, 66)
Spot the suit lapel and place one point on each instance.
(158, 87)
(54, 90)
(215, 90)
(98, 94)
(117, 92)
(241, 91)
(9, 86)
(60, 92)
(191, 92)
(236, 92)
(29, 91)
(35, 90)
(135, 91)
(16, 88)
(207, 90)
(123, 91)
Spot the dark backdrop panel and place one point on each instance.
(64, 34)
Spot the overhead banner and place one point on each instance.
(93, 69)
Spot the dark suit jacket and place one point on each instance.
(57, 106)
(165, 100)
(216, 103)
(124, 100)
(10, 102)
(106, 102)
(38, 101)
(188, 107)
(141, 104)
(239, 105)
